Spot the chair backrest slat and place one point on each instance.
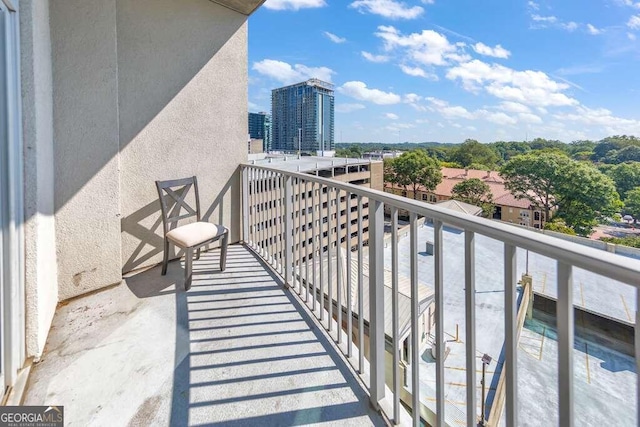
(176, 190)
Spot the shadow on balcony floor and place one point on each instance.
(236, 350)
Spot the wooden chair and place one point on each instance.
(190, 236)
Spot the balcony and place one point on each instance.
(302, 330)
(237, 349)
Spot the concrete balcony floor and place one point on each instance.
(236, 350)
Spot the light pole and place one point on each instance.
(486, 360)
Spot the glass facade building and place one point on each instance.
(260, 128)
(303, 117)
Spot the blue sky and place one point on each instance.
(438, 70)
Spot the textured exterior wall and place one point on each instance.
(182, 69)
(377, 175)
(85, 125)
(41, 285)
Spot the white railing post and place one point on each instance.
(470, 324)
(438, 252)
(511, 333)
(415, 321)
(245, 205)
(394, 315)
(376, 300)
(565, 344)
(288, 230)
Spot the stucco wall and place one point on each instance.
(182, 69)
(85, 124)
(41, 286)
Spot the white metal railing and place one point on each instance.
(288, 221)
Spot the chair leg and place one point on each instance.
(223, 252)
(188, 268)
(165, 261)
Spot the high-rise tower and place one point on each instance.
(303, 116)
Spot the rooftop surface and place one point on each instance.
(603, 376)
(307, 163)
(237, 349)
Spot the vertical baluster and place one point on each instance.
(329, 256)
(245, 204)
(394, 313)
(299, 228)
(440, 344)
(348, 274)
(314, 244)
(269, 219)
(252, 208)
(262, 214)
(306, 240)
(470, 324)
(637, 354)
(279, 229)
(339, 266)
(376, 300)
(511, 330)
(415, 321)
(360, 292)
(288, 227)
(565, 343)
(272, 219)
(320, 258)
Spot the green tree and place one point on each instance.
(414, 169)
(355, 151)
(625, 175)
(559, 226)
(632, 203)
(579, 191)
(471, 151)
(476, 192)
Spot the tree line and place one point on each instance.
(577, 185)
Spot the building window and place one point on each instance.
(404, 194)
(424, 197)
(536, 216)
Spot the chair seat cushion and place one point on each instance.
(196, 233)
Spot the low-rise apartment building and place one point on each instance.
(508, 208)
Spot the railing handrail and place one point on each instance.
(616, 267)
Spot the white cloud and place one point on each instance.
(374, 58)
(452, 112)
(526, 87)
(533, 5)
(391, 116)
(546, 19)
(593, 30)
(391, 9)
(631, 36)
(417, 72)
(569, 26)
(497, 51)
(529, 118)
(630, 3)
(412, 98)
(360, 91)
(513, 107)
(602, 118)
(448, 111)
(287, 74)
(293, 4)
(634, 22)
(334, 38)
(348, 108)
(427, 48)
